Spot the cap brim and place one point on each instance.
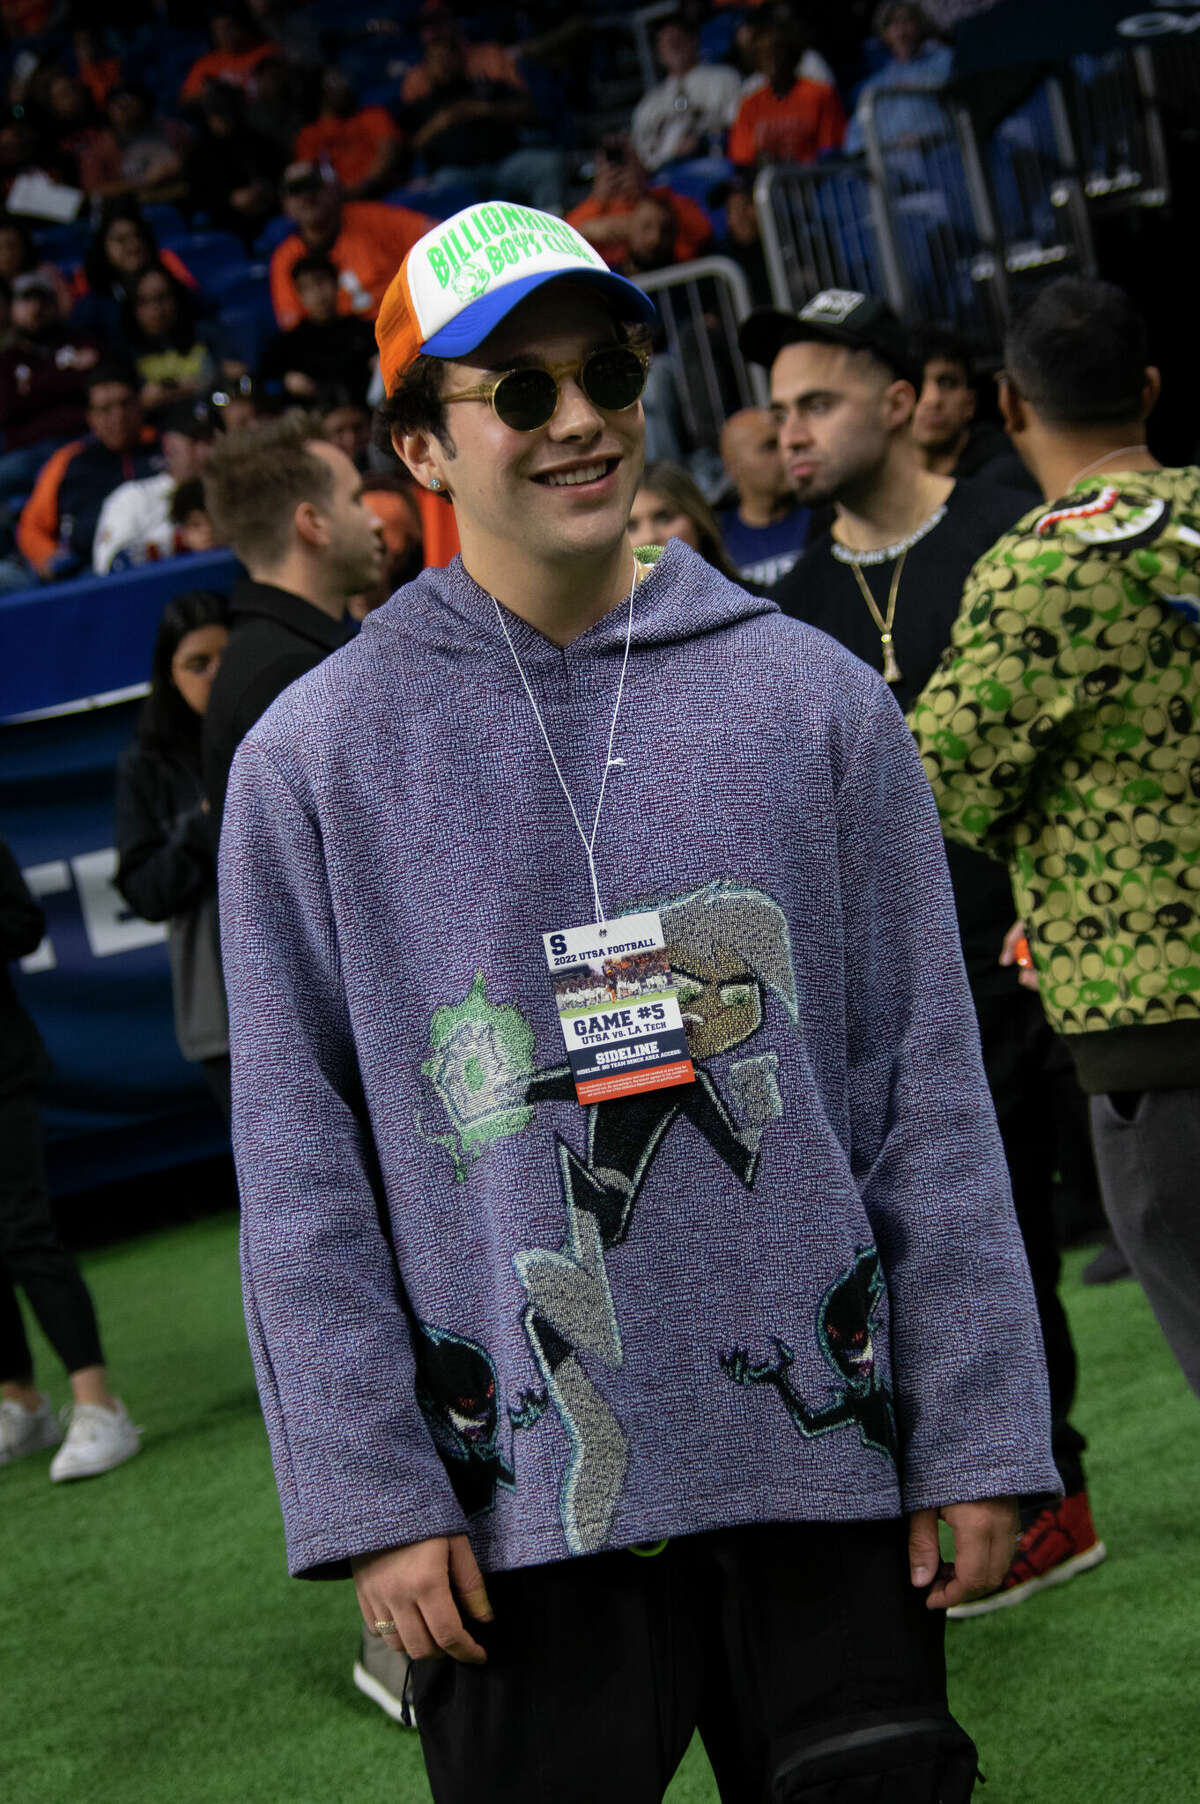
(468, 329)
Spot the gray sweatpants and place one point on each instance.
(1148, 1160)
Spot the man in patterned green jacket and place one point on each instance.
(1061, 734)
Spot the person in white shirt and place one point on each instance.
(135, 525)
(696, 102)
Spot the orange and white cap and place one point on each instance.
(461, 279)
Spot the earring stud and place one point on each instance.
(434, 483)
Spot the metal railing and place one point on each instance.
(824, 227)
(701, 306)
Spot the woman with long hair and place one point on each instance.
(174, 357)
(122, 246)
(670, 505)
(166, 846)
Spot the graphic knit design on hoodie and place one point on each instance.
(475, 1306)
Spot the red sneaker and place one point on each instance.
(1057, 1546)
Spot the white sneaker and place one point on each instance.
(97, 1440)
(25, 1431)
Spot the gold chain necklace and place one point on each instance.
(891, 669)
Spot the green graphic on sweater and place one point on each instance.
(1062, 735)
(480, 1063)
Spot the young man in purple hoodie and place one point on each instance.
(634, 1373)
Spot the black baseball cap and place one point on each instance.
(194, 419)
(836, 316)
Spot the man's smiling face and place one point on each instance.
(509, 488)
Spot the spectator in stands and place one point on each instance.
(1088, 791)
(71, 120)
(887, 580)
(670, 505)
(605, 218)
(19, 257)
(279, 107)
(945, 429)
(166, 859)
(43, 377)
(466, 127)
(741, 239)
(238, 49)
(346, 423)
(292, 29)
(392, 499)
(139, 154)
(173, 355)
(765, 532)
(291, 507)
(363, 239)
(232, 171)
(190, 518)
(99, 69)
(789, 119)
(688, 114)
(32, 1256)
(903, 122)
(122, 246)
(810, 64)
(58, 522)
(362, 145)
(135, 524)
(327, 347)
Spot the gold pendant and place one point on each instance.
(891, 670)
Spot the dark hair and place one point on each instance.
(933, 344)
(109, 370)
(188, 499)
(672, 481)
(313, 266)
(101, 277)
(5, 291)
(182, 335)
(166, 724)
(1078, 354)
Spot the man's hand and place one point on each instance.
(415, 1588)
(1012, 953)
(985, 1535)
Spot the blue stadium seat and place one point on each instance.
(164, 220)
(273, 233)
(247, 318)
(448, 200)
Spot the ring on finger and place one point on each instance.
(385, 1626)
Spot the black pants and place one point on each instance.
(1020, 1057)
(600, 1669)
(33, 1257)
(1148, 1156)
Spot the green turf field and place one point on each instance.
(153, 1651)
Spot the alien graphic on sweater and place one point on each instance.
(729, 950)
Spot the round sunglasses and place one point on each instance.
(612, 378)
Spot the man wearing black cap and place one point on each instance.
(887, 581)
(135, 524)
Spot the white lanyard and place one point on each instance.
(589, 845)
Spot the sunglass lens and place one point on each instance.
(613, 379)
(526, 399)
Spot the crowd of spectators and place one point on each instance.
(188, 215)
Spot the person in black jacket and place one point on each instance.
(166, 867)
(32, 1256)
(291, 507)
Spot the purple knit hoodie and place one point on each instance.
(793, 1290)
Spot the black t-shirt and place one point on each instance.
(822, 591)
(471, 142)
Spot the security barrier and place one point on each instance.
(701, 305)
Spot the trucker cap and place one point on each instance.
(462, 278)
(839, 316)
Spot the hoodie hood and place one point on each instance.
(681, 598)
